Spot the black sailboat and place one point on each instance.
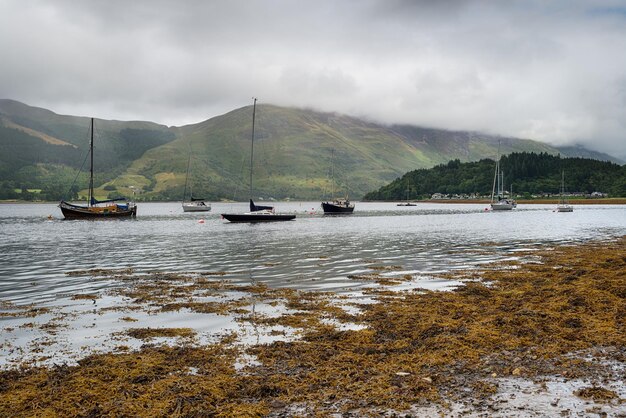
(257, 213)
(337, 205)
(97, 208)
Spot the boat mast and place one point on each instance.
(407, 189)
(187, 178)
(496, 176)
(91, 166)
(332, 174)
(252, 144)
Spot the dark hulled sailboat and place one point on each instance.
(96, 209)
(337, 206)
(257, 213)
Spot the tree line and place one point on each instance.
(528, 173)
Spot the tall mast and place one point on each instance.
(332, 174)
(496, 176)
(91, 166)
(187, 177)
(252, 144)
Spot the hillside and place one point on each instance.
(529, 173)
(293, 149)
(582, 152)
(42, 151)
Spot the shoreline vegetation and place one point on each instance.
(600, 201)
(573, 201)
(556, 317)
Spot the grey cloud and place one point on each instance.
(551, 71)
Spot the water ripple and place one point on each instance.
(312, 252)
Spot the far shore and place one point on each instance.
(600, 201)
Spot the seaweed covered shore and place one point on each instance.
(548, 328)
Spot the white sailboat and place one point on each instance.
(194, 204)
(563, 205)
(498, 201)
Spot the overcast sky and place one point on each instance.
(553, 70)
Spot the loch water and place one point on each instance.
(312, 252)
(42, 257)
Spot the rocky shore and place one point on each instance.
(542, 335)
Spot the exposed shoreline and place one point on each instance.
(544, 335)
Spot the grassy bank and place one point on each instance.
(562, 314)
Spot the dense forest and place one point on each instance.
(527, 172)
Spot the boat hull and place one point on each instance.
(333, 209)
(196, 208)
(406, 204)
(502, 206)
(258, 217)
(71, 211)
(565, 208)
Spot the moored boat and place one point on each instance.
(408, 191)
(193, 204)
(257, 213)
(97, 209)
(338, 206)
(563, 205)
(498, 201)
(196, 205)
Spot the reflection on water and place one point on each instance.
(312, 252)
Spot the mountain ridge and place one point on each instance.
(293, 149)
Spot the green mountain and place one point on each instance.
(294, 150)
(42, 151)
(582, 152)
(529, 173)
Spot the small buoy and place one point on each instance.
(201, 221)
(486, 209)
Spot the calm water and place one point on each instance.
(311, 253)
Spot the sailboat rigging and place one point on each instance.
(337, 205)
(97, 208)
(408, 189)
(497, 191)
(193, 204)
(563, 205)
(257, 213)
